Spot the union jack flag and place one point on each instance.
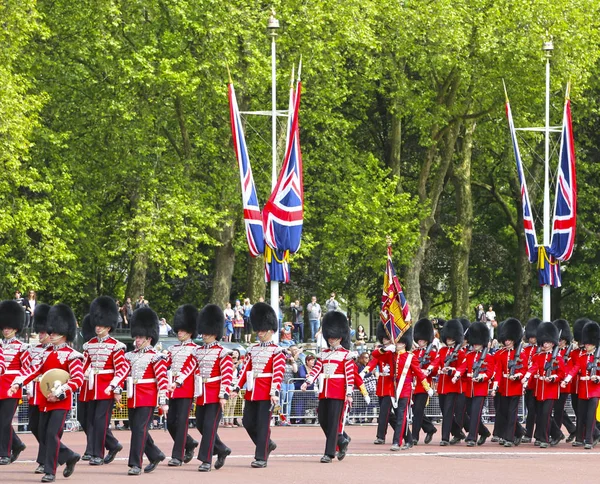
(565, 201)
(252, 215)
(284, 212)
(528, 223)
(395, 313)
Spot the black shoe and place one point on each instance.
(153, 464)
(577, 444)
(39, 469)
(189, 452)
(471, 443)
(175, 463)
(17, 452)
(343, 447)
(220, 462)
(495, 439)
(537, 443)
(204, 467)
(587, 446)
(554, 442)
(457, 439)
(444, 443)
(259, 464)
(48, 478)
(96, 461)
(518, 441)
(326, 459)
(112, 454)
(135, 471)
(379, 441)
(525, 440)
(508, 443)
(70, 465)
(406, 446)
(571, 437)
(482, 439)
(4, 461)
(544, 445)
(429, 436)
(86, 457)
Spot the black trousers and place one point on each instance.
(9, 440)
(474, 406)
(500, 419)
(451, 405)
(178, 419)
(420, 420)
(99, 435)
(387, 415)
(587, 413)
(141, 441)
(467, 419)
(530, 403)
(257, 422)
(560, 416)
(401, 415)
(330, 412)
(34, 426)
(51, 430)
(509, 411)
(543, 419)
(208, 417)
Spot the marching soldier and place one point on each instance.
(510, 369)
(37, 355)
(549, 370)
(214, 381)
(56, 404)
(183, 365)
(335, 372)
(262, 374)
(146, 387)
(446, 363)
(530, 401)
(478, 369)
(588, 366)
(16, 359)
(87, 333)
(104, 369)
(424, 354)
(560, 415)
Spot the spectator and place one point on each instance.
(286, 339)
(306, 403)
(361, 338)
(298, 320)
(127, 311)
(480, 313)
(163, 328)
(229, 316)
(29, 304)
(141, 302)
(332, 304)
(287, 386)
(280, 311)
(313, 309)
(229, 410)
(238, 321)
(490, 321)
(370, 382)
(247, 326)
(120, 314)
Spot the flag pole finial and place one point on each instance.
(388, 240)
(505, 91)
(229, 74)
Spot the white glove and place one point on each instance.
(367, 399)
(391, 348)
(430, 392)
(362, 374)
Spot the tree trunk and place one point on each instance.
(224, 264)
(395, 149)
(459, 269)
(136, 282)
(256, 278)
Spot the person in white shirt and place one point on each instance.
(490, 321)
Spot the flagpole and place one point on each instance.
(548, 47)
(272, 27)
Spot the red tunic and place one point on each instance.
(529, 351)
(263, 371)
(147, 381)
(418, 354)
(334, 370)
(16, 359)
(445, 384)
(384, 361)
(573, 385)
(506, 386)
(587, 388)
(37, 355)
(413, 370)
(61, 357)
(183, 366)
(104, 365)
(215, 373)
(546, 390)
(479, 388)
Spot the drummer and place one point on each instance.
(62, 372)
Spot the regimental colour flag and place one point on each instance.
(395, 313)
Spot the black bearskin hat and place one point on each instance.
(381, 333)
(335, 325)
(453, 329)
(87, 330)
(578, 327)
(104, 312)
(12, 315)
(61, 320)
(423, 330)
(478, 334)
(440, 323)
(186, 319)
(211, 320)
(547, 332)
(510, 329)
(590, 334)
(407, 338)
(263, 317)
(40, 318)
(465, 325)
(144, 322)
(564, 329)
(531, 328)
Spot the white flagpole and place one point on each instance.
(546, 311)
